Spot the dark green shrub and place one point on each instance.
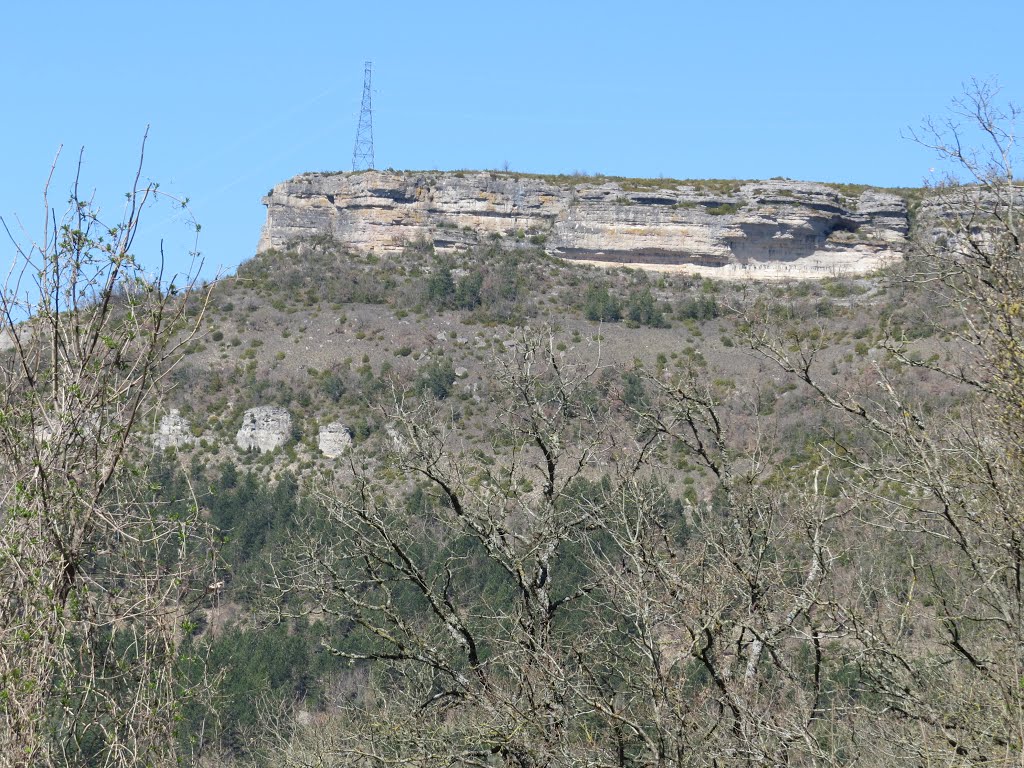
(467, 292)
(643, 309)
(441, 286)
(436, 378)
(599, 305)
(698, 308)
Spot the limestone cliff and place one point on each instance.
(173, 431)
(334, 439)
(757, 228)
(264, 428)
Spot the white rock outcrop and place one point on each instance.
(264, 428)
(174, 431)
(396, 438)
(334, 439)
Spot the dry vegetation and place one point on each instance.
(590, 518)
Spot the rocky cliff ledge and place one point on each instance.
(756, 228)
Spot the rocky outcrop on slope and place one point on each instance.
(264, 428)
(756, 226)
(173, 431)
(334, 439)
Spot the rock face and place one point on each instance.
(334, 439)
(173, 431)
(760, 226)
(264, 428)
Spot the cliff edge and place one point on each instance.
(773, 228)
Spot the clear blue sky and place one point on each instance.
(240, 96)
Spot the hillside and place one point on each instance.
(320, 331)
(487, 504)
(655, 392)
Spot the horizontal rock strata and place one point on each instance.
(757, 226)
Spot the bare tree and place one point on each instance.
(96, 578)
(546, 600)
(549, 601)
(456, 599)
(935, 608)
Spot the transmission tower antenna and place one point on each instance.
(362, 153)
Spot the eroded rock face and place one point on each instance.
(334, 439)
(174, 431)
(264, 428)
(778, 224)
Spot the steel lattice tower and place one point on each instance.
(362, 153)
